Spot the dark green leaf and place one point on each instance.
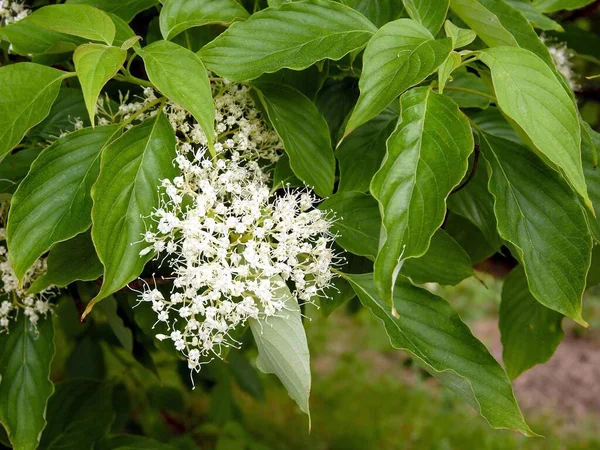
(536, 18)
(295, 35)
(25, 357)
(245, 375)
(283, 175)
(379, 12)
(14, 167)
(335, 100)
(86, 360)
(304, 134)
(590, 145)
(530, 331)
(68, 107)
(122, 333)
(468, 90)
(131, 442)
(429, 13)
(469, 237)
(557, 5)
(125, 9)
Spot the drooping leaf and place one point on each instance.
(79, 414)
(304, 133)
(95, 64)
(530, 331)
(53, 202)
(294, 35)
(400, 55)
(27, 91)
(180, 75)
(431, 331)
(357, 222)
(68, 261)
(25, 357)
(445, 262)
(379, 12)
(14, 167)
(361, 153)
(429, 13)
(29, 39)
(540, 217)
(427, 156)
(77, 20)
(126, 191)
(179, 15)
(282, 347)
(548, 6)
(125, 9)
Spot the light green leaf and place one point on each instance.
(27, 91)
(14, 167)
(125, 9)
(294, 35)
(70, 261)
(25, 357)
(460, 37)
(180, 75)
(95, 64)
(548, 6)
(179, 15)
(127, 190)
(429, 13)
(357, 222)
(426, 158)
(400, 55)
(282, 347)
(379, 12)
(452, 62)
(530, 94)
(53, 203)
(27, 38)
(445, 262)
(539, 215)
(77, 20)
(530, 331)
(304, 133)
(361, 153)
(431, 331)
(536, 18)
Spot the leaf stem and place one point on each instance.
(145, 108)
(128, 78)
(471, 91)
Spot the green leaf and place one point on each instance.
(469, 237)
(127, 190)
(427, 156)
(548, 6)
(304, 133)
(179, 15)
(429, 13)
(68, 107)
(400, 55)
(539, 215)
(70, 261)
(466, 90)
(431, 331)
(357, 222)
(122, 333)
(530, 94)
(282, 347)
(95, 64)
(245, 374)
(294, 35)
(361, 153)
(460, 37)
(379, 12)
(283, 175)
(124, 34)
(590, 145)
(180, 75)
(335, 100)
(27, 38)
(79, 414)
(14, 168)
(131, 442)
(25, 357)
(445, 262)
(27, 91)
(77, 20)
(452, 62)
(530, 331)
(536, 18)
(125, 9)
(53, 203)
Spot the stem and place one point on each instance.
(135, 80)
(136, 114)
(471, 91)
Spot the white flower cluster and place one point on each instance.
(14, 298)
(229, 243)
(563, 59)
(11, 11)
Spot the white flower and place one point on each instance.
(563, 59)
(12, 11)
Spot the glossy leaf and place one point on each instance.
(70, 261)
(25, 357)
(77, 20)
(27, 91)
(530, 94)
(179, 15)
(530, 331)
(357, 222)
(125, 9)
(27, 38)
(426, 158)
(282, 347)
(444, 262)
(431, 331)
(126, 191)
(95, 64)
(294, 35)
(379, 12)
(400, 55)
(304, 134)
(429, 13)
(180, 75)
(540, 216)
(53, 202)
